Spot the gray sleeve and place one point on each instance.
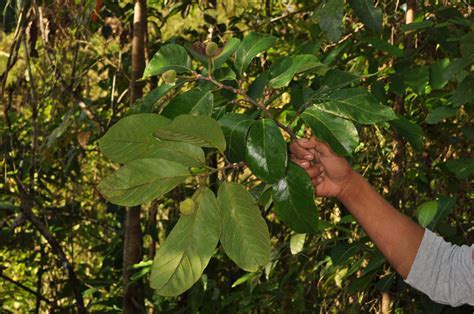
(443, 271)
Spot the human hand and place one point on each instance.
(329, 172)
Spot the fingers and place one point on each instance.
(315, 171)
(316, 144)
(301, 162)
(300, 152)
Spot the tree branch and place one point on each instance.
(248, 99)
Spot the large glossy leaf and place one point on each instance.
(330, 15)
(368, 14)
(284, 69)
(201, 131)
(339, 133)
(185, 253)
(245, 235)
(169, 57)
(250, 47)
(293, 198)
(142, 180)
(356, 104)
(194, 102)
(235, 127)
(132, 138)
(266, 153)
(409, 130)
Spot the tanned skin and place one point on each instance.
(395, 235)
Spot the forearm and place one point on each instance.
(396, 235)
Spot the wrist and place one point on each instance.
(349, 186)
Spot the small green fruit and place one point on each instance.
(169, 76)
(187, 207)
(211, 49)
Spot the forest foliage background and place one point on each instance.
(69, 71)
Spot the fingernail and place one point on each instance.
(308, 157)
(319, 179)
(305, 164)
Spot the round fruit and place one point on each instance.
(169, 76)
(211, 49)
(187, 207)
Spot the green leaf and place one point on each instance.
(444, 70)
(235, 127)
(417, 78)
(416, 26)
(467, 45)
(142, 181)
(150, 100)
(462, 168)
(201, 131)
(266, 153)
(182, 258)
(440, 113)
(169, 57)
(438, 74)
(445, 207)
(132, 138)
(183, 153)
(339, 133)
(284, 69)
(464, 94)
(245, 235)
(409, 130)
(297, 243)
(193, 102)
(356, 104)
(330, 15)
(426, 212)
(337, 79)
(293, 198)
(250, 47)
(229, 48)
(383, 45)
(342, 252)
(368, 14)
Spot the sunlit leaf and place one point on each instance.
(426, 212)
(187, 250)
(245, 236)
(169, 57)
(250, 47)
(142, 180)
(201, 131)
(356, 104)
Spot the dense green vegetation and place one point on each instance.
(128, 141)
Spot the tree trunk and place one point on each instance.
(133, 296)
